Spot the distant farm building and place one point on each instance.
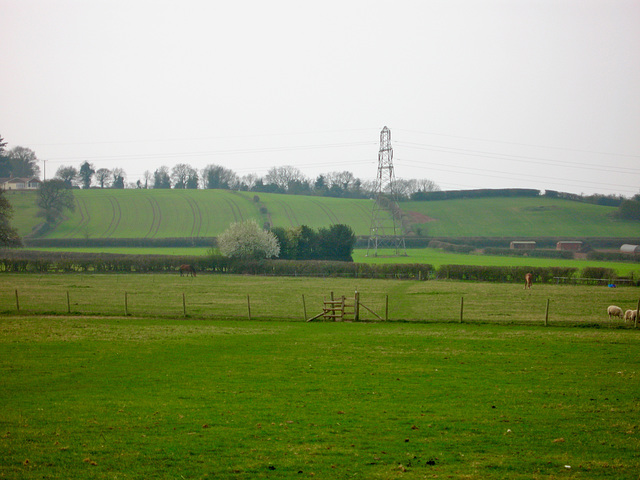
(626, 248)
(572, 246)
(522, 245)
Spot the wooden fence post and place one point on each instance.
(126, 305)
(356, 307)
(546, 315)
(461, 308)
(304, 307)
(249, 306)
(635, 324)
(184, 305)
(68, 303)
(386, 309)
(17, 301)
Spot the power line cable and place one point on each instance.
(515, 158)
(523, 144)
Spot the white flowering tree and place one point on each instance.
(247, 240)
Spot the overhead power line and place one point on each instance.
(567, 149)
(515, 158)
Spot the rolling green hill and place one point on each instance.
(516, 216)
(207, 213)
(187, 213)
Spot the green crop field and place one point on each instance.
(207, 213)
(187, 213)
(525, 217)
(94, 396)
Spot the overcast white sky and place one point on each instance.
(538, 94)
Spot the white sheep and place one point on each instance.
(614, 311)
(630, 315)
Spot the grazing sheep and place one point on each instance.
(630, 315)
(614, 311)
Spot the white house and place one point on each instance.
(18, 183)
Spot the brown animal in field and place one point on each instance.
(188, 270)
(528, 281)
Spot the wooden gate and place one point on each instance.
(342, 310)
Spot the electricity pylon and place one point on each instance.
(386, 218)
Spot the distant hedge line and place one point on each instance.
(613, 256)
(53, 262)
(479, 193)
(597, 199)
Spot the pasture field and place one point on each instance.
(523, 216)
(433, 256)
(128, 398)
(218, 296)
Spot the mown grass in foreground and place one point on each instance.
(145, 398)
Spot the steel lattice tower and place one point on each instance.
(386, 218)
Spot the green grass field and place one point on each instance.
(125, 398)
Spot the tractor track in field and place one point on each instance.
(364, 211)
(327, 211)
(84, 220)
(234, 207)
(196, 226)
(288, 212)
(156, 218)
(115, 219)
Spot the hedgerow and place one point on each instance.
(55, 262)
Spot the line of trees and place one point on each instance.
(285, 179)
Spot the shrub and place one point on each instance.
(247, 240)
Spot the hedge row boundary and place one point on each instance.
(54, 262)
